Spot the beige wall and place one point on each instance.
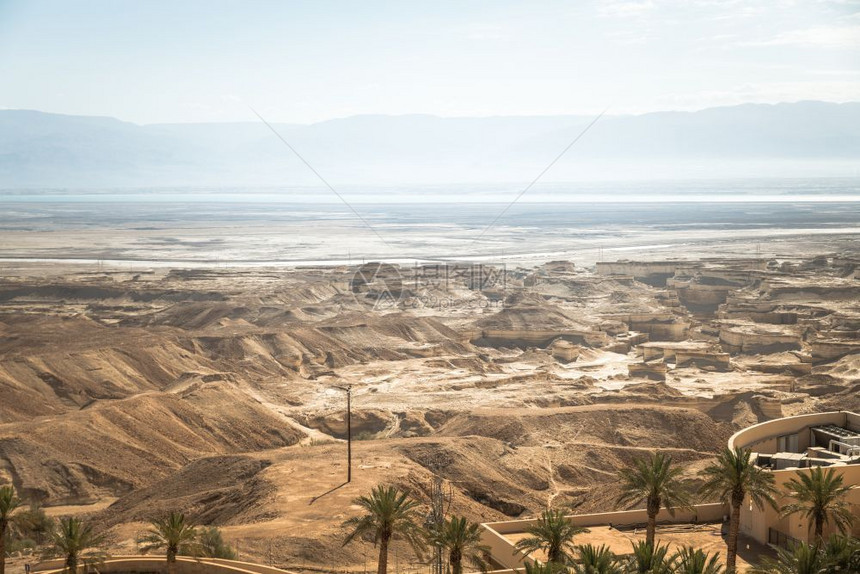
(503, 551)
(184, 565)
(761, 438)
(755, 522)
(757, 437)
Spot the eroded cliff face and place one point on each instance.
(221, 389)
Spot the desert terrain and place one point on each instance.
(128, 392)
(258, 259)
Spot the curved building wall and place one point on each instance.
(762, 438)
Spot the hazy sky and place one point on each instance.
(179, 61)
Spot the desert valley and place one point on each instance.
(493, 286)
(218, 392)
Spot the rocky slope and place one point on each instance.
(217, 391)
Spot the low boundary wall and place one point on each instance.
(505, 554)
(184, 565)
(755, 435)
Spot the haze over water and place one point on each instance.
(261, 226)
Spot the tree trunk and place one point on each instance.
(171, 561)
(383, 556)
(456, 561)
(651, 528)
(72, 564)
(3, 524)
(819, 529)
(732, 542)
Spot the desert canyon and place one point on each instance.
(217, 391)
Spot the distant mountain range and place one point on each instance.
(804, 139)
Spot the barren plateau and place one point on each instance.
(128, 392)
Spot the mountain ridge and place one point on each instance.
(803, 139)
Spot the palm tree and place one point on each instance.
(591, 559)
(390, 513)
(841, 554)
(733, 477)
(655, 481)
(461, 540)
(689, 560)
(649, 559)
(172, 533)
(8, 503)
(820, 497)
(801, 558)
(548, 568)
(75, 539)
(32, 524)
(553, 533)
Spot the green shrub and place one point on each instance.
(32, 524)
(212, 544)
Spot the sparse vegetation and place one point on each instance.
(656, 481)
(840, 554)
(365, 435)
(31, 524)
(690, 560)
(591, 559)
(733, 477)
(76, 541)
(8, 503)
(389, 513)
(27, 531)
(545, 568)
(172, 533)
(802, 558)
(210, 543)
(318, 442)
(461, 540)
(649, 559)
(553, 533)
(820, 497)
(503, 421)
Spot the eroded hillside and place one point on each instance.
(216, 391)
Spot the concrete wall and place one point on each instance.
(502, 550)
(757, 436)
(755, 522)
(184, 565)
(762, 438)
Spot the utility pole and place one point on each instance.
(348, 390)
(440, 503)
